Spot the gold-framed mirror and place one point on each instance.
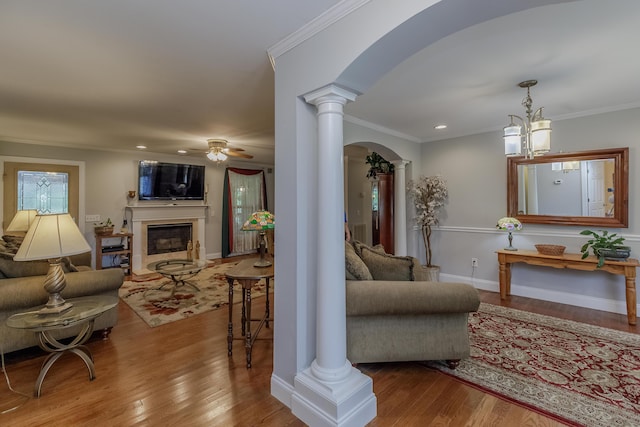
(588, 188)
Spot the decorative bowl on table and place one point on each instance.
(551, 249)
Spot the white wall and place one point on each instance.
(475, 169)
(353, 52)
(109, 175)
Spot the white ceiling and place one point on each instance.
(583, 54)
(167, 74)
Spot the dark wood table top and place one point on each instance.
(245, 270)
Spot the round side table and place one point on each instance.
(83, 312)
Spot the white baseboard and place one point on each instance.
(281, 390)
(603, 304)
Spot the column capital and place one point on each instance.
(400, 163)
(330, 93)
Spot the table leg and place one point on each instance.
(248, 337)
(230, 326)
(505, 278)
(268, 316)
(56, 348)
(630, 283)
(243, 318)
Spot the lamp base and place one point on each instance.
(55, 309)
(54, 283)
(262, 263)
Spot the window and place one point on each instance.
(49, 188)
(47, 192)
(244, 193)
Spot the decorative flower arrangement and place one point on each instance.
(428, 194)
(509, 224)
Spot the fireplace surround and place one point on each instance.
(165, 216)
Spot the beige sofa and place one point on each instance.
(393, 315)
(21, 288)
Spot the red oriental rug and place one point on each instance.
(158, 307)
(576, 373)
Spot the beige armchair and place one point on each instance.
(391, 317)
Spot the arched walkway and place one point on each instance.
(314, 80)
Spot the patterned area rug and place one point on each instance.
(157, 306)
(574, 372)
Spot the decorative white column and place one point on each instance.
(400, 207)
(331, 392)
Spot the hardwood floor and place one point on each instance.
(179, 373)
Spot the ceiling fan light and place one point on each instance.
(216, 156)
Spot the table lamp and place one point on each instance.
(21, 222)
(509, 224)
(52, 237)
(260, 221)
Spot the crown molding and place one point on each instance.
(319, 23)
(382, 129)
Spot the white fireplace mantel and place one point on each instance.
(141, 215)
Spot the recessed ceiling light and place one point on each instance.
(182, 151)
(141, 147)
(440, 127)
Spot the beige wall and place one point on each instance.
(109, 175)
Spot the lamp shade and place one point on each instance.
(512, 139)
(541, 136)
(260, 220)
(217, 156)
(52, 236)
(509, 224)
(22, 221)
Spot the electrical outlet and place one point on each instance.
(474, 262)
(92, 218)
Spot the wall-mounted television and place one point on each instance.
(170, 181)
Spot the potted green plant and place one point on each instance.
(604, 246)
(428, 194)
(378, 164)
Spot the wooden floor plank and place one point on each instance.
(179, 374)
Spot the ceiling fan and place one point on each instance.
(219, 150)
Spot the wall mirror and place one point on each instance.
(588, 188)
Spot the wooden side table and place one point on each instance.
(83, 312)
(247, 275)
(625, 268)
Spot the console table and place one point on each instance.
(625, 268)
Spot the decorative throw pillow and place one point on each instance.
(11, 268)
(387, 267)
(357, 245)
(355, 268)
(12, 243)
(68, 266)
(378, 248)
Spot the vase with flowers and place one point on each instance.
(428, 194)
(510, 225)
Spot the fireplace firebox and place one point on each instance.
(166, 238)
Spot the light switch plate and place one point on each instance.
(92, 218)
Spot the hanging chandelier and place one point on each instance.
(532, 135)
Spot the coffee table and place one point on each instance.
(247, 275)
(179, 271)
(83, 312)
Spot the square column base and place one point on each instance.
(350, 402)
